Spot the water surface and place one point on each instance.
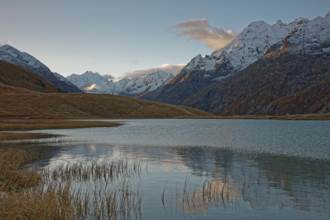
(254, 169)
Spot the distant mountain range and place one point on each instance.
(27, 61)
(266, 69)
(133, 84)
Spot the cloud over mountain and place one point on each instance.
(214, 38)
(170, 68)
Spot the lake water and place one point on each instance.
(216, 169)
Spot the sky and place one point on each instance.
(119, 36)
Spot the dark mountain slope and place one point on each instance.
(274, 85)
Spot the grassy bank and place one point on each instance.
(39, 124)
(51, 194)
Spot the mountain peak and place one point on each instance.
(279, 22)
(91, 73)
(300, 21)
(257, 24)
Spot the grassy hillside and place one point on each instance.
(13, 75)
(18, 102)
(24, 94)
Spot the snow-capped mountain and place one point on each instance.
(91, 82)
(25, 60)
(140, 85)
(250, 45)
(65, 81)
(293, 77)
(130, 86)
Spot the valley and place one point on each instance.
(239, 132)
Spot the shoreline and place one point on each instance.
(23, 124)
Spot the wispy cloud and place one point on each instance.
(170, 68)
(201, 30)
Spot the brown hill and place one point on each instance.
(18, 102)
(13, 75)
(274, 85)
(26, 94)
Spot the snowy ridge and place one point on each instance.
(250, 45)
(313, 38)
(12, 55)
(86, 81)
(139, 85)
(95, 83)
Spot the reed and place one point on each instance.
(66, 192)
(93, 171)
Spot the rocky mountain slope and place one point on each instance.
(129, 86)
(25, 60)
(250, 45)
(293, 77)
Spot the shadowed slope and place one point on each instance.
(286, 84)
(13, 75)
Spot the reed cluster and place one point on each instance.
(72, 191)
(106, 171)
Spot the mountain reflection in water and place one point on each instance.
(218, 180)
(249, 169)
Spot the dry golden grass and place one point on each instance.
(12, 176)
(34, 124)
(6, 136)
(28, 194)
(13, 75)
(21, 103)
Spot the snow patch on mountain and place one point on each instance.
(86, 81)
(250, 45)
(313, 38)
(12, 55)
(131, 86)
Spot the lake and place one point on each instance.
(215, 169)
